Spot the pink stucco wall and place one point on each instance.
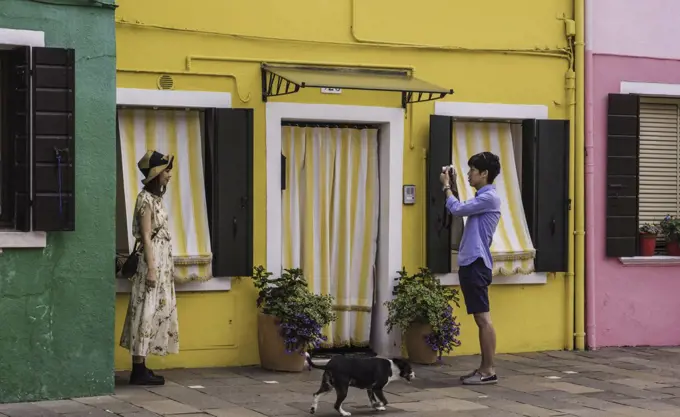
(627, 306)
(644, 28)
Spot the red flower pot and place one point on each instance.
(673, 248)
(647, 245)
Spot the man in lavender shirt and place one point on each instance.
(474, 257)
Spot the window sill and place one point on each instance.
(535, 278)
(650, 261)
(10, 239)
(123, 286)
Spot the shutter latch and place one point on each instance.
(59, 155)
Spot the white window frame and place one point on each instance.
(13, 238)
(494, 111)
(652, 90)
(391, 157)
(180, 99)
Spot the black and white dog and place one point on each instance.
(371, 374)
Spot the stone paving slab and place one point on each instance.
(635, 382)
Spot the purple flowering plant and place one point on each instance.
(421, 298)
(302, 315)
(670, 227)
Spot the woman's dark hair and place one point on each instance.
(486, 161)
(154, 187)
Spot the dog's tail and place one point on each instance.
(312, 364)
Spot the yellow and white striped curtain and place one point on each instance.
(179, 133)
(512, 249)
(330, 214)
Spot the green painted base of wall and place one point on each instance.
(57, 304)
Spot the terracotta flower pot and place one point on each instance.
(416, 347)
(647, 244)
(273, 355)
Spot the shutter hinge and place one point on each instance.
(569, 204)
(30, 203)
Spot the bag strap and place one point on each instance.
(138, 242)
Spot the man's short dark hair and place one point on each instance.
(486, 161)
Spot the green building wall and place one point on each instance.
(57, 303)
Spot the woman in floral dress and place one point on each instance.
(151, 326)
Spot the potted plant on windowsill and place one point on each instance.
(670, 226)
(291, 319)
(648, 235)
(422, 310)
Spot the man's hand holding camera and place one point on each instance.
(448, 178)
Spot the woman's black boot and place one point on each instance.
(150, 372)
(142, 376)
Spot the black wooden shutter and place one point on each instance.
(18, 121)
(231, 225)
(283, 172)
(54, 139)
(623, 142)
(438, 234)
(545, 190)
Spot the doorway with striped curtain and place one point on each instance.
(330, 212)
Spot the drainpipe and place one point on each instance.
(571, 101)
(579, 277)
(590, 204)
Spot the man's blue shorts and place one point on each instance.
(474, 282)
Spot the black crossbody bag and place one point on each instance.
(129, 268)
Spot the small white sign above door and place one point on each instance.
(331, 90)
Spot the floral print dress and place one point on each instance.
(151, 326)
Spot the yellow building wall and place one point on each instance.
(489, 56)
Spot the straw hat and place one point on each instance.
(153, 163)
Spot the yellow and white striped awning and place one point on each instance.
(179, 133)
(512, 249)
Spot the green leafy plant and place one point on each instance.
(650, 229)
(302, 314)
(421, 298)
(670, 227)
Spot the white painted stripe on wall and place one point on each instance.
(531, 279)
(172, 98)
(22, 37)
(650, 89)
(215, 284)
(490, 111)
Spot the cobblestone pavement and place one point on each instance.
(611, 382)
